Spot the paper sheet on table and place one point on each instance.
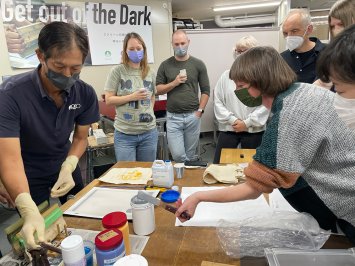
(98, 202)
(209, 213)
(278, 202)
(137, 175)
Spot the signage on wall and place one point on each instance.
(105, 24)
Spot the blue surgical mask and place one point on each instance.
(62, 82)
(181, 51)
(136, 56)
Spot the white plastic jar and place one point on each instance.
(73, 252)
(143, 216)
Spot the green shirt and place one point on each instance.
(184, 98)
(134, 117)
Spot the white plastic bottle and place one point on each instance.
(161, 175)
(170, 167)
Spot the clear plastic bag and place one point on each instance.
(280, 229)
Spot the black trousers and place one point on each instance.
(40, 188)
(231, 140)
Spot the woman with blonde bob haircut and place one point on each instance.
(298, 140)
(130, 87)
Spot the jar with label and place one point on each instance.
(109, 247)
(73, 252)
(143, 216)
(118, 220)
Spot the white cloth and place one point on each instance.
(229, 173)
(228, 108)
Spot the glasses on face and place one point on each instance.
(240, 51)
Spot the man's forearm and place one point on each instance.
(203, 100)
(78, 147)
(12, 172)
(165, 88)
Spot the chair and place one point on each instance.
(237, 155)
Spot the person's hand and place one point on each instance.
(65, 180)
(198, 114)
(180, 79)
(33, 221)
(15, 43)
(189, 206)
(239, 126)
(140, 94)
(5, 197)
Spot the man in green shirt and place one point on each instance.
(181, 77)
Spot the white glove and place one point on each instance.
(65, 180)
(33, 220)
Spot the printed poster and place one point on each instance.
(106, 25)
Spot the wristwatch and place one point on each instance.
(200, 110)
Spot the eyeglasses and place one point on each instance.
(239, 51)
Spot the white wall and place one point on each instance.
(214, 48)
(96, 75)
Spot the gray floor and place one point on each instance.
(8, 217)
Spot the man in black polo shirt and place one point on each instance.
(38, 111)
(302, 51)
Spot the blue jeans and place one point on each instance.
(183, 132)
(141, 147)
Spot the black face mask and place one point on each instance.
(60, 81)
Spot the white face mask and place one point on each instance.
(345, 109)
(294, 42)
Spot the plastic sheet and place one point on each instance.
(251, 236)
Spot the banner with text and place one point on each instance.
(105, 24)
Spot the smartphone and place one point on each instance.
(196, 163)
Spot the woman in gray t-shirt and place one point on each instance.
(130, 87)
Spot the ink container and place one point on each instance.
(132, 260)
(109, 247)
(118, 220)
(73, 251)
(143, 216)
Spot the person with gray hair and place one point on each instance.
(302, 50)
(238, 123)
(244, 44)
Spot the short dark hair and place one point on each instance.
(57, 37)
(338, 58)
(263, 68)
